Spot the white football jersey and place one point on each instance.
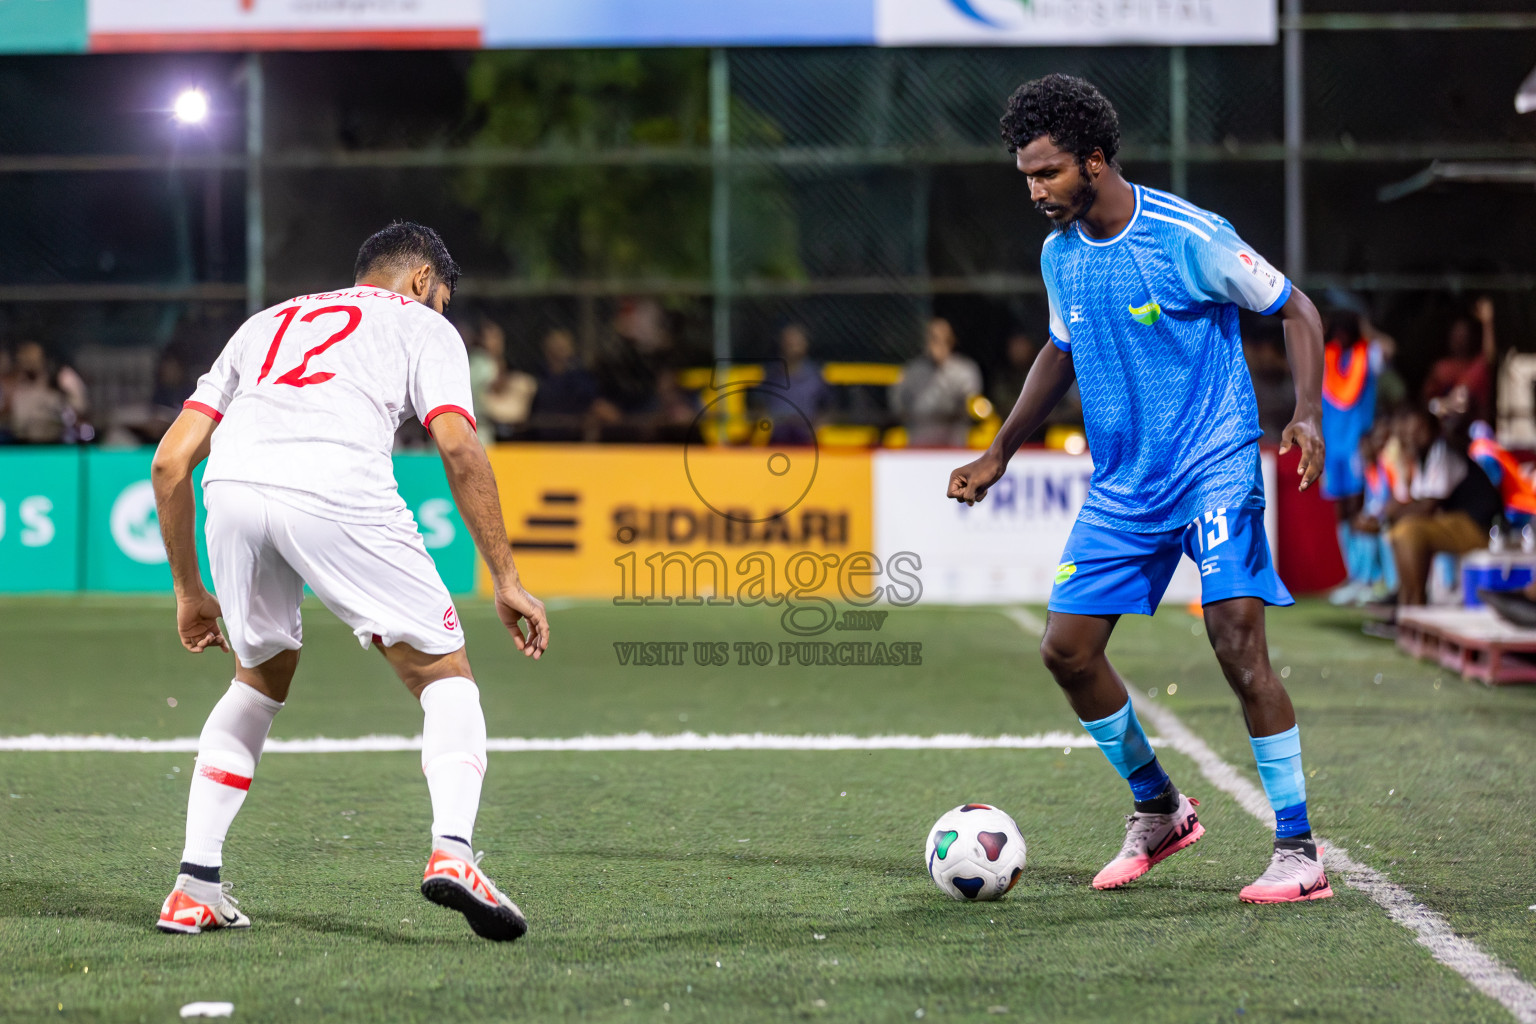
(308, 395)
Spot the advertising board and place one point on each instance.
(1074, 22)
(85, 519)
(588, 521)
(40, 508)
(284, 24)
(70, 26)
(1007, 547)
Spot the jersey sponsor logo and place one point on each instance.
(1065, 570)
(1147, 314)
(1075, 315)
(450, 620)
(1258, 268)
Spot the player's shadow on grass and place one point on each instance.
(39, 901)
(357, 927)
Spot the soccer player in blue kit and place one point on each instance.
(1144, 290)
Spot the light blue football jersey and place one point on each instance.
(1150, 317)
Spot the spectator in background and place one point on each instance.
(172, 388)
(1451, 506)
(628, 370)
(796, 404)
(1384, 484)
(566, 391)
(1391, 389)
(1008, 380)
(8, 378)
(673, 416)
(1504, 471)
(1008, 383)
(1351, 366)
(40, 411)
(935, 389)
(1470, 363)
(501, 396)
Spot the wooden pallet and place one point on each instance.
(1473, 642)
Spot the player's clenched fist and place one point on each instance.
(970, 482)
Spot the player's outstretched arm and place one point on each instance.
(1049, 378)
(1304, 351)
(181, 449)
(474, 491)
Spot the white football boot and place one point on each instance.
(1150, 839)
(195, 906)
(1295, 874)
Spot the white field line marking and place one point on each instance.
(1433, 932)
(1028, 621)
(640, 741)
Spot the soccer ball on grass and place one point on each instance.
(975, 852)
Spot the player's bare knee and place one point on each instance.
(271, 678)
(1070, 663)
(1241, 650)
(418, 669)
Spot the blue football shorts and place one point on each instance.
(1343, 470)
(1113, 572)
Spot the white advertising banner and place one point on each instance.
(291, 24)
(1006, 548)
(1074, 22)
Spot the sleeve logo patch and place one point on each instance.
(1258, 268)
(1147, 314)
(1064, 571)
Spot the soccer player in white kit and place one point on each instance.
(297, 419)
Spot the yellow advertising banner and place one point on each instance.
(641, 522)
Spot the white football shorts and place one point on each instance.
(378, 579)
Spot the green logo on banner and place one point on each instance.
(136, 525)
(42, 26)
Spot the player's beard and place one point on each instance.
(1079, 203)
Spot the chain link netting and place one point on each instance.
(868, 187)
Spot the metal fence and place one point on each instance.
(854, 190)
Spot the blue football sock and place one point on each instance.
(1279, 761)
(1123, 742)
(1149, 782)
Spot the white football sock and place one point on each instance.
(227, 753)
(453, 755)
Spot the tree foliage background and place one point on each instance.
(635, 220)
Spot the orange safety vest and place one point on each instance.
(1518, 492)
(1340, 386)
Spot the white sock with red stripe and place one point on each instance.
(453, 758)
(227, 754)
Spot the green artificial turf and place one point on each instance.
(798, 873)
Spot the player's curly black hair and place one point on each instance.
(1070, 110)
(404, 245)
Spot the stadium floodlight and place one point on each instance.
(1525, 99)
(191, 106)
